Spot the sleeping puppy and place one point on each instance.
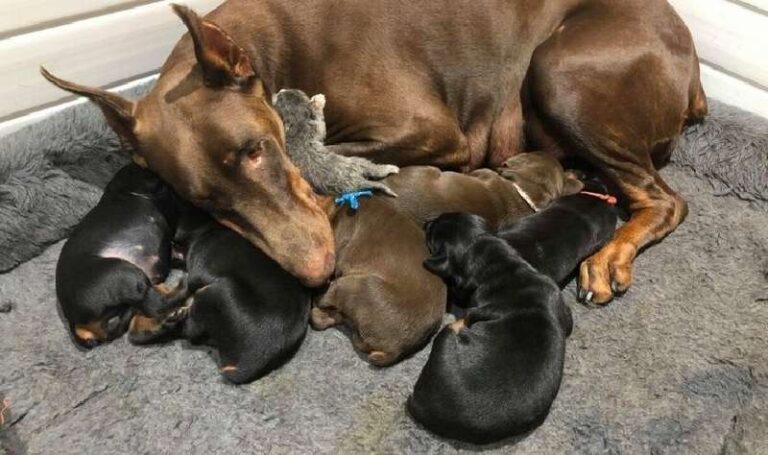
(116, 259)
(555, 240)
(496, 372)
(241, 302)
(524, 184)
(381, 290)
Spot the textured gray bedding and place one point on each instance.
(678, 365)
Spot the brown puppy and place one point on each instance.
(528, 182)
(381, 289)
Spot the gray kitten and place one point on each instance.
(327, 172)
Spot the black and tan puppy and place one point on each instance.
(556, 239)
(501, 365)
(496, 372)
(241, 301)
(116, 259)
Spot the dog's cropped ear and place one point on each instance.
(571, 183)
(222, 60)
(118, 110)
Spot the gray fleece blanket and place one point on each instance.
(678, 365)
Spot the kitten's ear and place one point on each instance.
(318, 102)
(438, 264)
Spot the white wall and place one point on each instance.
(732, 40)
(94, 42)
(111, 42)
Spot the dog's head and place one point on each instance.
(448, 237)
(540, 176)
(209, 130)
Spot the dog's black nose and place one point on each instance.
(427, 225)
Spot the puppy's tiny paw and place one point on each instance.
(179, 313)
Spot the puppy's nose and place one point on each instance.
(87, 344)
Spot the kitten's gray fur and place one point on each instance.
(327, 172)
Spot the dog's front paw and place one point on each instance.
(606, 274)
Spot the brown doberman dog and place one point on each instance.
(439, 82)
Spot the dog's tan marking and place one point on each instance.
(142, 324)
(139, 160)
(90, 331)
(165, 289)
(228, 368)
(457, 325)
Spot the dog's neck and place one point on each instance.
(327, 205)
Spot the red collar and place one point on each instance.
(603, 197)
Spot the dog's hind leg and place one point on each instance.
(620, 107)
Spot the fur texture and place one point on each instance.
(327, 172)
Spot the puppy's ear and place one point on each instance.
(571, 183)
(438, 264)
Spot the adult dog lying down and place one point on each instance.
(612, 81)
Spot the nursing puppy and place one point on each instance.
(496, 372)
(555, 240)
(241, 301)
(381, 290)
(525, 183)
(116, 259)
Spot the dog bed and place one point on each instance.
(678, 365)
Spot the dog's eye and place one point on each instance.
(250, 153)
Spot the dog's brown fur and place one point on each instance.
(613, 81)
(381, 290)
(425, 192)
